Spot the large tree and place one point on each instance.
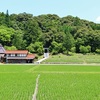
(6, 35)
(68, 39)
(18, 41)
(32, 31)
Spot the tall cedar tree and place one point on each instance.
(68, 39)
(7, 19)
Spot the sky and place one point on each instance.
(84, 9)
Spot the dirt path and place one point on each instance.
(36, 88)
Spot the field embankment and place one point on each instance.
(74, 59)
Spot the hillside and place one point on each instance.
(61, 35)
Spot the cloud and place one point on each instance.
(98, 19)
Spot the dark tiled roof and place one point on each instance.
(16, 52)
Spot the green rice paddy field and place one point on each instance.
(56, 82)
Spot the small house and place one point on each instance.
(16, 56)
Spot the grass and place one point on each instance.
(69, 82)
(56, 82)
(16, 83)
(75, 59)
(69, 87)
(67, 68)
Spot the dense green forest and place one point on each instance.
(61, 35)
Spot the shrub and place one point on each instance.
(98, 51)
(73, 49)
(10, 47)
(85, 49)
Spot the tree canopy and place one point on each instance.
(25, 31)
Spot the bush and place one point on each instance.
(37, 47)
(56, 48)
(98, 51)
(85, 49)
(65, 52)
(54, 52)
(89, 48)
(10, 47)
(71, 54)
(73, 49)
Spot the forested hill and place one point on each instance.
(25, 31)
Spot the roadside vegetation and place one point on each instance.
(73, 58)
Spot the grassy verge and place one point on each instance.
(75, 59)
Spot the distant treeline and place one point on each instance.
(61, 35)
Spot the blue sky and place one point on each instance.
(84, 9)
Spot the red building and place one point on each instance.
(16, 56)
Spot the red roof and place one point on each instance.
(16, 52)
(30, 56)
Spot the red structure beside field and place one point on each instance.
(15, 56)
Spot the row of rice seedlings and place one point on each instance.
(68, 68)
(14, 68)
(69, 87)
(17, 86)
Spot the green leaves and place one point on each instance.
(10, 48)
(6, 35)
(85, 50)
(68, 39)
(22, 30)
(37, 47)
(56, 47)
